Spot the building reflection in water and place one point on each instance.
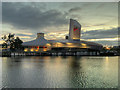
(59, 72)
(75, 73)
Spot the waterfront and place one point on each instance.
(60, 72)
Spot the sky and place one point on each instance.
(99, 20)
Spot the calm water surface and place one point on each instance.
(60, 72)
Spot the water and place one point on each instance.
(60, 72)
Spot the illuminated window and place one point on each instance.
(32, 50)
(25, 49)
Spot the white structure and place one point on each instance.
(39, 44)
(39, 41)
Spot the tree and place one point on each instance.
(18, 43)
(10, 40)
(4, 45)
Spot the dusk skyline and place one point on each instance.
(99, 20)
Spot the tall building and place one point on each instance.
(74, 30)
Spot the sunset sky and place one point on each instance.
(99, 20)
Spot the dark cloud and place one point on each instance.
(94, 25)
(107, 42)
(29, 17)
(98, 24)
(23, 35)
(75, 9)
(101, 5)
(73, 13)
(100, 34)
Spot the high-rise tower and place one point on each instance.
(74, 30)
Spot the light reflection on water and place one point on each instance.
(60, 72)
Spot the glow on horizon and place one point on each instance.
(104, 39)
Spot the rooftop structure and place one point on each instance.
(39, 41)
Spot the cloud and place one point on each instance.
(99, 25)
(28, 17)
(23, 35)
(75, 9)
(100, 34)
(108, 42)
(57, 35)
(105, 37)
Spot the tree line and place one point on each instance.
(12, 42)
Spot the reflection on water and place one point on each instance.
(0, 73)
(60, 72)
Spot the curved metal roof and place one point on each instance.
(73, 41)
(37, 42)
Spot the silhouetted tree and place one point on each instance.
(4, 45)
(18, 43)
(10, 40)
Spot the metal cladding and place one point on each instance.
(74, 30)
(39, 41)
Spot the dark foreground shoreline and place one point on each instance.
(13, 54)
